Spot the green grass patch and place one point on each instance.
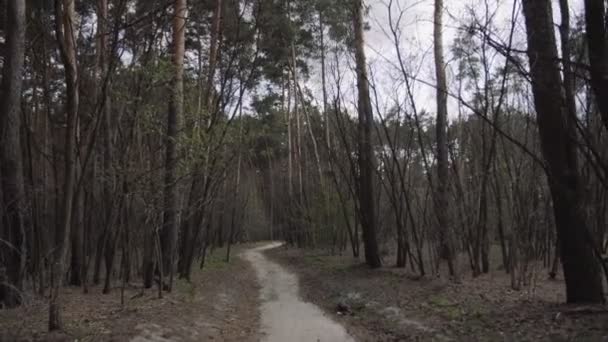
(443, 305)
(217, 260)
(186, 289)
(440, 301)
(327, 263)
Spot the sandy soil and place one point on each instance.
(390, 305)
(285, 317)
(276, 294)
(221, 303)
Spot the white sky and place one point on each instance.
(416, 41)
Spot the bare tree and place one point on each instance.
(581, 268)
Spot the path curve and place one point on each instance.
(285, 317)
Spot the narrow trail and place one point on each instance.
(285, 317)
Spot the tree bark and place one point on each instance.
(580, 266)
(324, 81)
(11, 159)
(213, 53)
(366, 153)
(174, 117)
(442, 205)
(597, 44)
(77, 241)
(66, 37)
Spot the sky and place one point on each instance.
(416, 40)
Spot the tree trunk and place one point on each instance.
(597, 44)
(65, 29)
(442, 206)
(77, 255)
(324, 82)
(500, 220)
(569, 77)
(366, 153)
(101, 242)
(149, 260)
(213, 53)
(580, 266)
(174, 117)
(11, 159)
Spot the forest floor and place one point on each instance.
(221, 303)
(253, 298)
(390, 305)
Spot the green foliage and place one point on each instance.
(186, 289)
(216, 260)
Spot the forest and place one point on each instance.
(147, 146)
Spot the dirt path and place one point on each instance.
(285, 317)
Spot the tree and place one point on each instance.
(442, 206)
(65, 26)
(174, 118)
(597, 44)
(14, 204)
(581, 268)
(366, 153)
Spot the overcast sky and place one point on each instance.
(416, 41)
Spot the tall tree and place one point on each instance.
(581, 268)
(12, 233)
(174, 119)
(442, 196)
(366, 153)
(213, 54)
(597, 43)
(320, 9)
(65, 28)
(105, 241)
